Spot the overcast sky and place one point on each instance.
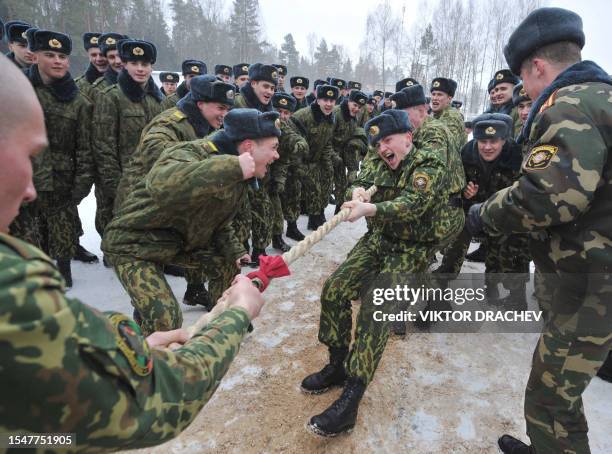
(343, 22)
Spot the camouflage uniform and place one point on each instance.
(85, 82)
(180, 213)
(170, 101)
(453, 120)
(78, 370)
(318, 130)
(118, 123)
(563, 198)
(349, 143)
(402, 238)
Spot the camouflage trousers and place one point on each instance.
(152, 297)
(575, 342)
(104, 210)
(277, 223)
(26, 225)
(340, 181)
(242, 223)
(292, 196)
(56, 215)
(349, 282)
(261, 214)
(316, 187)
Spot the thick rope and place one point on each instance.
(289, 257)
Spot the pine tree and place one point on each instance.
(245, 30)
(288, 54)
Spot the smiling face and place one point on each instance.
(213, 112)
(501, 94)
(394, 148)
(264, 152)
(264, 91)
(114, 60)
(97, 59)
(490, 149)
(52, 64)
(326, 105)
(353, 108)
(139, 70)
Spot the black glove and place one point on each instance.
(473, 221)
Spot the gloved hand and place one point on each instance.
(473, 221)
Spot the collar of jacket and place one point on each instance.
(189, 107)
(345, 110)
(182, 90)
(134, 91)
(92, 74)
(319, 116)
(64, 89)
(510, 157)
(578, 73)
(110, 76)
(504, 108)
(224, 144)
(252, 101)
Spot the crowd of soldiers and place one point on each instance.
(199, 177)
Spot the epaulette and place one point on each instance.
(212, 146)
(549, 102)
(179, 115)
(109, 88)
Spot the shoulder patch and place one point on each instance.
(132, 344)
(549, 102)
(179, 115)
(540, 157)
(212, 146)
(420, 182)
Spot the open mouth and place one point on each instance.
(390, 158)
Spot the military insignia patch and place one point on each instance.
(132, 344)
(54, 43)
(230, 94)
(282, 102)
(522, 92)
(195, 69)
(374, 130)
(24, 35)
(409, 83)
(299, 81)
(358, 86)
(420, 182)
(226, 70)
(138, 51)
(362, 101)
(499, 76)
(540, 157)
(110, 41)
(245, 68)
(340, 83)
(330, 93)
(94, 40)
(168, 77)
(274, 75)
(436, 84)
(490, 131)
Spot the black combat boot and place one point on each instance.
(340, 417)
(255, 257)
(510, 445)
(293, 232)
(83, 255)
(605, 371)
(63, 265)
(279, 243)
(322, 219)
(197, 295)
(174, 270)
(333, 374)
(478, 255)
(312, 222)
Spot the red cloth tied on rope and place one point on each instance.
(269, 266)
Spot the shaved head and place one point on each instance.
(22, 136)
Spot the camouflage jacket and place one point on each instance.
(318, 130)
(565, 190)
(78, 370)
(349, 141)
(291, 146)
(170, 101)
(300, 104)
(102, 83)
(122, 112)
(247, 98)
(85, 81)
(186, 201)
(453, 120)
(362, 118)
(66, 166)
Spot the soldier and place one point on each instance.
(317, 124)
(98, 64)
(403, 234)
(122, 111)
(312, 96)
(241, 75)
(385, 102)
(404, 83)
(181, 213)
(299, 87)
(190, 69)
(108, 48)
(468, 127)
(378, 95)
(341, 85)
(64, 172)
(282, 72)
(196, 115)
(363, 115)
(79, 355)
(522, 103)
(500, 92)
(442, 92)
(169, 82)
(224, 73)
(19, 53)
(349, 144)
(567, 214)
(352, 85)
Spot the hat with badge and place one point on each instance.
(541, 27)
(352, 85)
(282, 69)
(502, 76)
(519, 95)
(169, 77)
(341, 84)
(448, 86)
(109, 41)
(224, 70)
(15, 31)
(379, 93)
(318, 82)
(492, 126)
(408, 97)
(137, 50)
(388, 94)
(299, 81)
(241, 69)
(284, 101)
(242, 124)
(407, 82)
(267, 73)
(209, 88)
(371, 100)
(193, 67)
(90, 40)
(358, 97)
(389, 122)
(50, 40)
(327, 92)
(456, 104)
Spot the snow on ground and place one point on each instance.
(432, 393)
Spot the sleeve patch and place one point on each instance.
(131, 343)
(540, 157)
(420, 182)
